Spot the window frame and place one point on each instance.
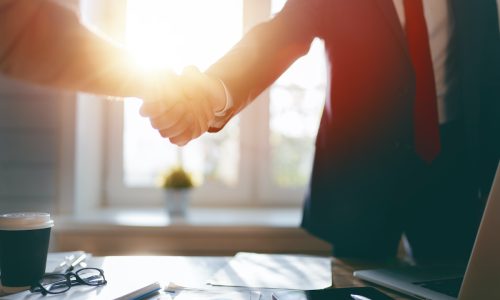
(255, 187)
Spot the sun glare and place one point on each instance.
(176, 33)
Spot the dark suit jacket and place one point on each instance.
(367, 118)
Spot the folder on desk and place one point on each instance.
(281, 271)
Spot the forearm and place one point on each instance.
(251, 67)
(257, 61)
(46, 44)
(264, 54)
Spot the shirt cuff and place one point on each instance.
(229, 102)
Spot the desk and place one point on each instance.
(126, 273)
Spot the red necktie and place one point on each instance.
(425, 116)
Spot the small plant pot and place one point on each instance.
(177, 202)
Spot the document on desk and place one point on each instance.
(280, 271)
(217, 295)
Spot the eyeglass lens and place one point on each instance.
(55, 283)
(91, 276)
(60, 283)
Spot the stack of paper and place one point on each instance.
(278, 271)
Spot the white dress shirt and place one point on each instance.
(440, 28)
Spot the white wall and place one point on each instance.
(31, 124)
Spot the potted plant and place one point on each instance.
(177, 184)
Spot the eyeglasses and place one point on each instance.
(59, 283)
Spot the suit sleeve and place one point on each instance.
(265, 52)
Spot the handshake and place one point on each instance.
(187, 107)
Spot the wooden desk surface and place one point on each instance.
(128, 273)
(342, 277)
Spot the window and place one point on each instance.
(261, 158)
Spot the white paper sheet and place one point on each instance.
(178, 292)
(217, 295)
(281, 271)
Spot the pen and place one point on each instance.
(76, 262)
(141, 293)
(70, 263)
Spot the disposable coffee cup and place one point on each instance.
(24, 243)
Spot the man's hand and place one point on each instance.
(186, 106)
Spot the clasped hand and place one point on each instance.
(185, 107)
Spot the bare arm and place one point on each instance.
(46, 44)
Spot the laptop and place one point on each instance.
(482, 274)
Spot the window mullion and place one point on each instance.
(254, 12)
(255, 119)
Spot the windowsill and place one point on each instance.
(205, 231)
(197, 217)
